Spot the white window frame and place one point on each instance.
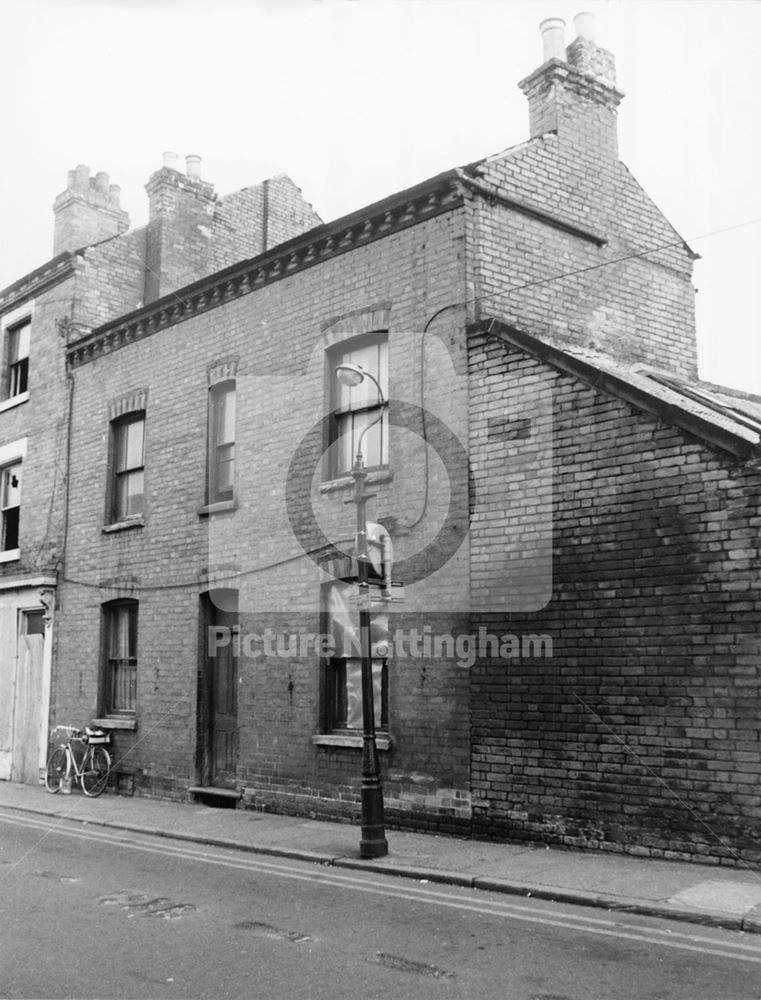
(360, 405)
(12, 454)
(118, 475)
(220, 448)
(10, 321)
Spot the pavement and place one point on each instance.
(692, 892)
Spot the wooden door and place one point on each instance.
(223, 709)
(27, 716)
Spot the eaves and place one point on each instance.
(666, 407)
(37, 281)
(433, 197)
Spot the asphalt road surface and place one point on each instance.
(89, 912)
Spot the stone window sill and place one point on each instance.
(7, 404)
(130, 724)
(133, 522)
(217, 508)
(382, 741)
(10, 555)
(383, 474)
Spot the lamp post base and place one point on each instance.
(373, 842)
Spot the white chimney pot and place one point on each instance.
(584, 25)
(170, 160)
(553, 38)
(193, 166)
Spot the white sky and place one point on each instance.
(356, 99)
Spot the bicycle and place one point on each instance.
(92, 770)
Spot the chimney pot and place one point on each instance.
(553, 38)
(193, 166)
(101, 182)
(115, 193)
(170, 160)
(584, 25)
(82, 177)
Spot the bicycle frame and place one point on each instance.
(77, 769)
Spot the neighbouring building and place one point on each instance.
(574, 514)
(101, 269)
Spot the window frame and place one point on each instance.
(12, 455)
(6, 469)
(220, 392)
(340, 353)
(110, 617)
(118, 425)
(334, 673)
(16, 371)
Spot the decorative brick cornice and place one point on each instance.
(558, 72)
(408, 208)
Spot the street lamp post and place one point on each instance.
(373, 838)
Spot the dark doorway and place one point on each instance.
(218, 703)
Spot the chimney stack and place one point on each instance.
(574, 93)
(180, 208)
(87, 211)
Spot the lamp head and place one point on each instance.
(351, 375)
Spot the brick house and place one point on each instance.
(574, 515)
(100, 270)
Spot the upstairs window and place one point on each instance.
(357, 407)
(10, 506)
(128, 448)
(17, 364)
(221, 461)
(119, 685)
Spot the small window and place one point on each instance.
(358, 407)
(343, 664)
(17, 359)
(221, 463)
(10, 506)
(119, 687)
(128, 442)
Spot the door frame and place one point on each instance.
(20, 597)
(209, 610)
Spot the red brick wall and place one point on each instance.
(279, 330)
(244, 227)
(642, 731)
(42, 420)
(560, 286)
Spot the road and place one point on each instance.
(90, 912)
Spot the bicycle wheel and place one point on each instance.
(55, 771)
(96, 768)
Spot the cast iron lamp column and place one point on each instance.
(373, 838)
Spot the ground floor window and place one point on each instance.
(119, 687)
(342, 709)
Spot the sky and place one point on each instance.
(357, 99)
